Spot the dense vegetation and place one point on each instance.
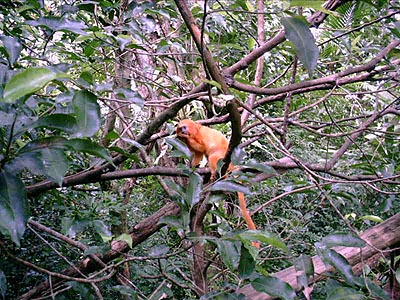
(96, 197)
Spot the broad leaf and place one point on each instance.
(262, 236)
(14, 210)
(87, 146)
(260, 167)
(229, 186)
(304, 270)
(130, 95)
(315, 4)
(57, 24)
(194, 189)
(126, 238)
(344, 293)
(336, 260)
(87, 112)
(55, 164)
(247, 264)
(274, 287)
(12, 46)
(28, 82)
(159, 250)
(343, 239)
(180, 146)
(229, 252)
(298, 32)
(64, 122)
(375, 291)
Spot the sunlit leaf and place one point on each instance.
(229, 252)
(12, 46)
(28, 82)
(274, 287)
(264, 237)
(180, 146)
(230, 186)
(126, 238)
(14, 210)
(57, 24)
(298, 32)
(372, 218)
(343, 239)
(315, 4)
(102, 229)
(87, 112)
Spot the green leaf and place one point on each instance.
(57, 24)
(372, 218)
(3, 284)
(336, 260)
(247, 264)
(344, 293)
(87, 146)
(229, 252)
(130, 95)
(180, 146)
(375, 291)
(55, 164)
(229, 186)
(126, 238)
(304, 269)
(260, 167)
(43, 157)
(262, 236)
(159, 250)
(14, 210)
(343, 239)
(12, 46)
(28, 82)
(194, 189)
(274, 287)
(102, 229)
(298, 32)
(87, 112)
(64, 122)
(315, 4)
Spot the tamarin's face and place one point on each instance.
(186, 128)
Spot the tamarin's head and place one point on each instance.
(187, 128)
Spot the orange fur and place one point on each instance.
(205, 141)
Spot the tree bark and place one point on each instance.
(377, 238)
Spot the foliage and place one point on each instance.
(90, 92)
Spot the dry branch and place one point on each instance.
(378, 238)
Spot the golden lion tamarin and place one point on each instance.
(205, 141)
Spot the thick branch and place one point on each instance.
(377, 238)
